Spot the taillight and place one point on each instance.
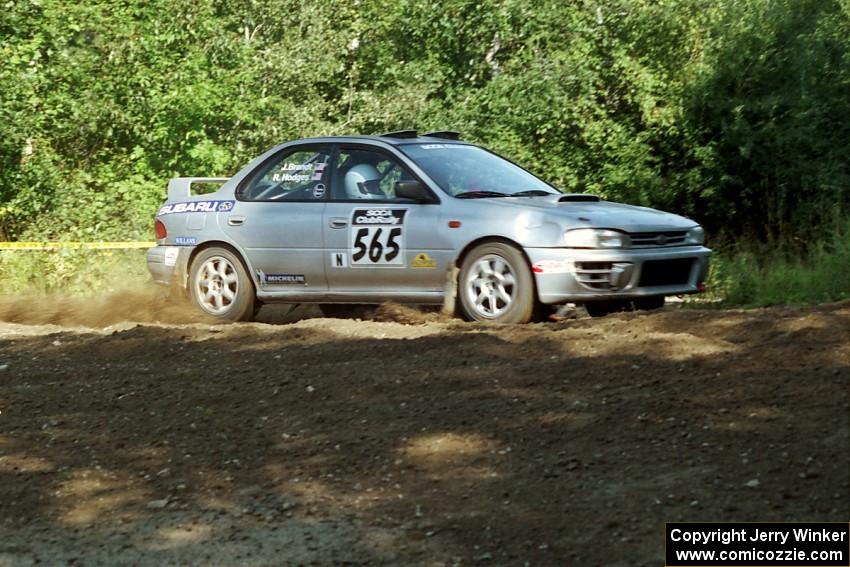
(159, 230)
(701, 287)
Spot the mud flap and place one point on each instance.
(450, 306)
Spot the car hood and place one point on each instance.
(598, 214)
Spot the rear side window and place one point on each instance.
(296, 174)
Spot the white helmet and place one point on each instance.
(361, 182)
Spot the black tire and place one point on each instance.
(220, 287)
(649, 303)
(508, 300)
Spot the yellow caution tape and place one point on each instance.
(74, 245)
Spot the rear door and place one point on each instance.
(375, 241)
(278, 220)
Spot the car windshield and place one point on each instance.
(468, 171)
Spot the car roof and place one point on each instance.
(388, 139)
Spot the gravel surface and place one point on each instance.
(409, 439)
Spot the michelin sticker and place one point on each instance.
(280, 279)
(377, 237)
(196, 207)
(423, 260)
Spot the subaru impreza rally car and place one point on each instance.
(422, 219)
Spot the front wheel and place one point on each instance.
(496, 285)
(220, 286)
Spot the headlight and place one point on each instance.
(595, 238)
(695, 236)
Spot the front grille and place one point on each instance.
(666, 272)
(658, 238)
(603, 275)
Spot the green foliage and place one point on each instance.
(761, 277)
(72, 271)
(733, 113)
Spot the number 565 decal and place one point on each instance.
(377, 237)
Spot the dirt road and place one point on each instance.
(412, 440)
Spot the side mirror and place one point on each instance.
(413, 190)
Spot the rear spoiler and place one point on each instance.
(181, 187)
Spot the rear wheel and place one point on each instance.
(496, 285)
(220, 286)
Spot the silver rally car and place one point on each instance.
(422, 219)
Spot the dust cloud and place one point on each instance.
(142, 304)
(152, 304)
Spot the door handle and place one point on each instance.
(339, 222)
(235, 221)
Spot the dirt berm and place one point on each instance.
(411, 439)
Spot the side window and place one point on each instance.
(364, 174)
(297, 174)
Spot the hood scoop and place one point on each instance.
(579, 198)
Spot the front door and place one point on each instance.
(278, 220)
(374, 241)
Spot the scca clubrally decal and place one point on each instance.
(377, 237)
(196, 207)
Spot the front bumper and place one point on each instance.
(167, 264)
(571, 275)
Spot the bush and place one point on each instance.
(728, 112)
(72, 270)
(723, 111)
(773, 276)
